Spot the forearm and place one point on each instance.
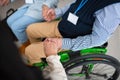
(79, 43)
(103, 27)
(60, 11)
(98, 37)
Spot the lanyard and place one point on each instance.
(81, 5)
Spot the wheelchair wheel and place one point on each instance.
(93, 67)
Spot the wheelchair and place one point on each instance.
(88, 64)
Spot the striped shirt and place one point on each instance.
(106, 22)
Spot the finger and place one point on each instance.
(44, 15)
(47, 39)
(49, 16)
(46, 18)
(48, 12)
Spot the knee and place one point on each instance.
(31, 55)
(28, 54)
(28, 51)
(30, 29)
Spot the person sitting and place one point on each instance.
(12, 66)
(31, 12)
(84, 24)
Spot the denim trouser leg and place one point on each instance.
(18, 24)
(15, 16)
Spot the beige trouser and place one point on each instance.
(35, 51)
(42, 30)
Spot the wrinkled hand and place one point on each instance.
(49, 14)
(52, 45)
(4, 2)
(50, 48)
(44, 11)
(58, 41)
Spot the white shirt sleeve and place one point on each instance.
(106, 22)
(60, 11)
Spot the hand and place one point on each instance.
(44, 11)
(58, 41)
(50, 15)
(50, 48)
(4, 2)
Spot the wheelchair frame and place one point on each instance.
(68, 57)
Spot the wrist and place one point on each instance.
(51, 57)
(50, 54)
(45, 6)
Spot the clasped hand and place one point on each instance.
(48, 13)
(52, 46)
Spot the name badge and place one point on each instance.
(29, 1)
(72, 18)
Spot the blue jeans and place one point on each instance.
(18, 22)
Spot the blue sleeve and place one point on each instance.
(103, 27)
(60, 11)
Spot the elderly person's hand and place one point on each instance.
(45, 9)
(48, 13)
(52, 46)
(4, 2)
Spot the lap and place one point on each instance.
(44, 29)
(36, 49)
(24, 22)
(18, 14)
